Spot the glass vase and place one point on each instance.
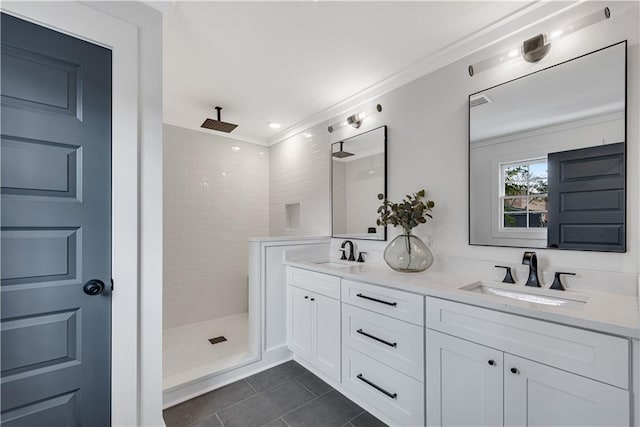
(408, 254)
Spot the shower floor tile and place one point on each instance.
(188, 354)
(283, 399)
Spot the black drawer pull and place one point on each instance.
(393, 304)
(390, 344)
(377, 387)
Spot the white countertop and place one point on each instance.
(288, 238)
(609, 313)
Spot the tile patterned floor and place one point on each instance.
(287, 395)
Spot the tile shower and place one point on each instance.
(216, 196)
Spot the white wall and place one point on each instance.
(428, 148)
(215, 198)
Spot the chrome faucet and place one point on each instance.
(352, 256)
(531, 260)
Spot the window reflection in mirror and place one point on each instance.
(547, 157)
(358, 175)
(523, 198)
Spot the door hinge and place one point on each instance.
(112, 284)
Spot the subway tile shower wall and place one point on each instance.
(300, 174)
(215, 198)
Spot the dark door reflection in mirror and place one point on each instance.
(358, 175)
(547, 155)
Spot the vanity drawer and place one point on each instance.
(391, 302)
(395, 394)
(393, 342)
(323, 284)
(591, 354)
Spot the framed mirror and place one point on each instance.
(547, 157)
(358, 175)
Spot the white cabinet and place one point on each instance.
(479, 383)
(539, 395)
(397, 398)
(299, 321)
(325, 335)
(268, 290)
(313, 322)
(464, 382)
(383, 351)
(591, 354)
(387, 301)
(393, 342)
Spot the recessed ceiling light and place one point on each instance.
(274, 125)
(235, 148)
(514, 53)
(307, 134)
(261, 153)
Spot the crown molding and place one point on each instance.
(531, 14)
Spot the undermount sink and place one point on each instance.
(533, 295)
(335, 264)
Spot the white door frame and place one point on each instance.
(86, 23)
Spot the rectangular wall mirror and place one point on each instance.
(358, 175)
(547, 157)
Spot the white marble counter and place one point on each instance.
(609, 313)
(288, 238)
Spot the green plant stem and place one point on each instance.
(407, 242)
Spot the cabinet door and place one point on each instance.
(539, 395)
(325, 335)
(299, 321)
(464, 382)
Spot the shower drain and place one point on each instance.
(217, 340)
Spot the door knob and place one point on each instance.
(514, 371)
(93, 287)
(492, 362)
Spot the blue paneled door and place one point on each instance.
(587, 206)
(56, 228)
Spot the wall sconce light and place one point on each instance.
(534, 49)
(356, 119)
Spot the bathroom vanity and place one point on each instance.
(439, 349)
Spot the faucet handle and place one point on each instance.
(530, 258)
(344, 255)
(360, 259)
(508, 278)
(557, 283)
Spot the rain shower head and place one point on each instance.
(218, 125)
(342, 154)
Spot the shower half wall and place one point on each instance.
(216, 196)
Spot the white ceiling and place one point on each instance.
(287, 61)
